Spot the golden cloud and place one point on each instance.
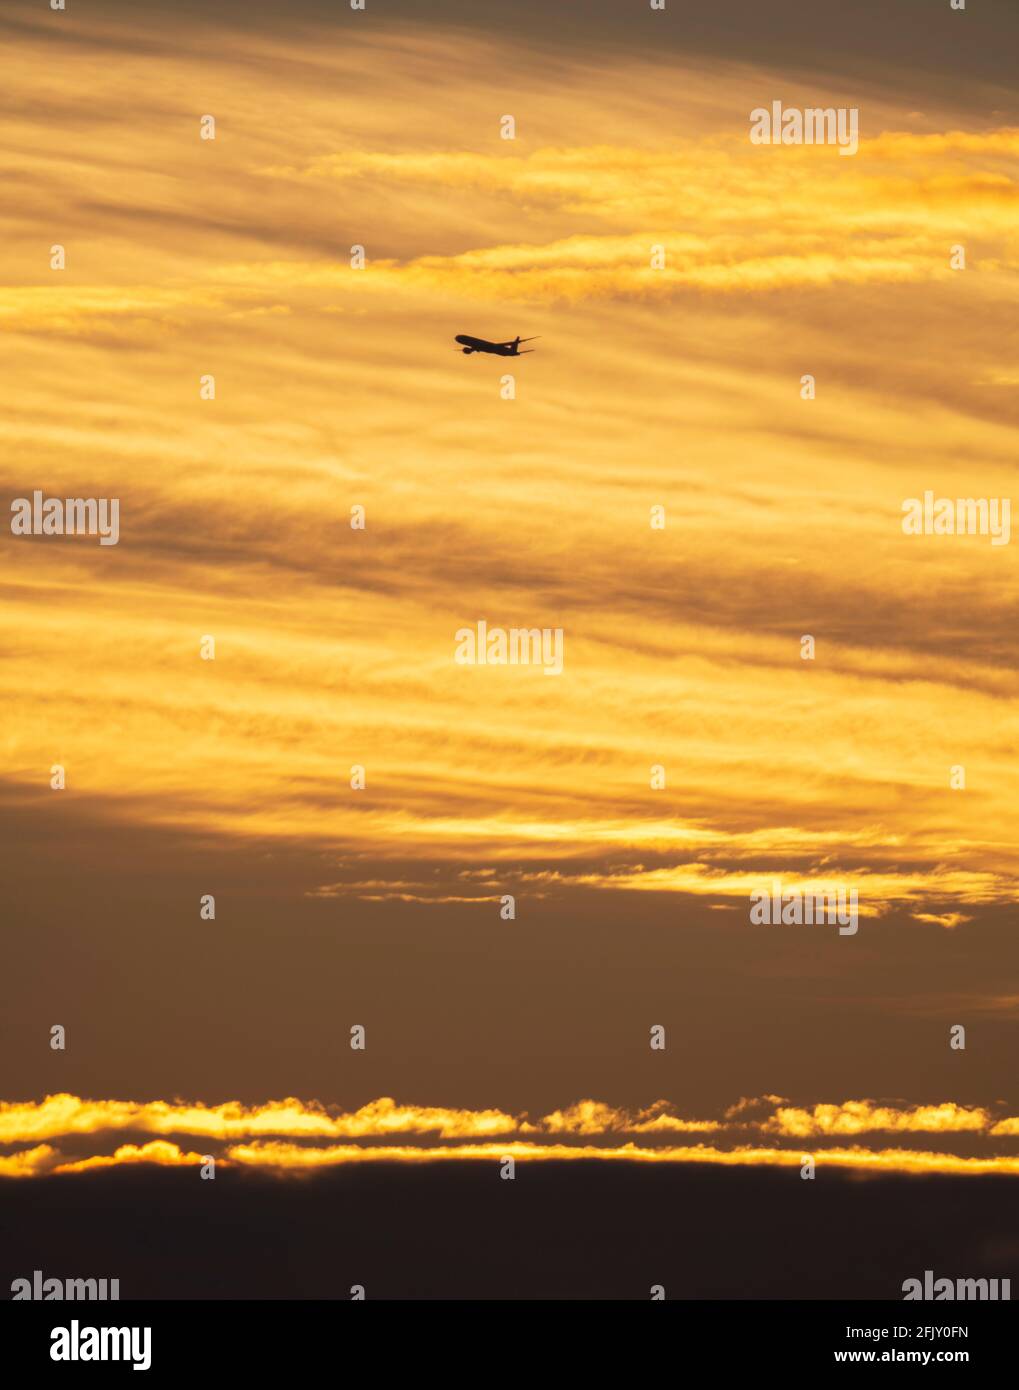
(159, 1152)
(589, 1117)
(280, 1157)
(28, 1163)
(862, 1117)
(274, 1133)
(1008, 1126)
(63, 1114)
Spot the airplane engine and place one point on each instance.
(467, 351)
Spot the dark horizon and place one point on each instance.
(556, 1231)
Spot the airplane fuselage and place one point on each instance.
(510, 349)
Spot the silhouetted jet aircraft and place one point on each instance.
(510, 349)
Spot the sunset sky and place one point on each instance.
(675, 387)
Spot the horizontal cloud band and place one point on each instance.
(269, 1136)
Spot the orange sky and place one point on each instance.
(676, 387)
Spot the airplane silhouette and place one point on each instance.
(510, 349)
